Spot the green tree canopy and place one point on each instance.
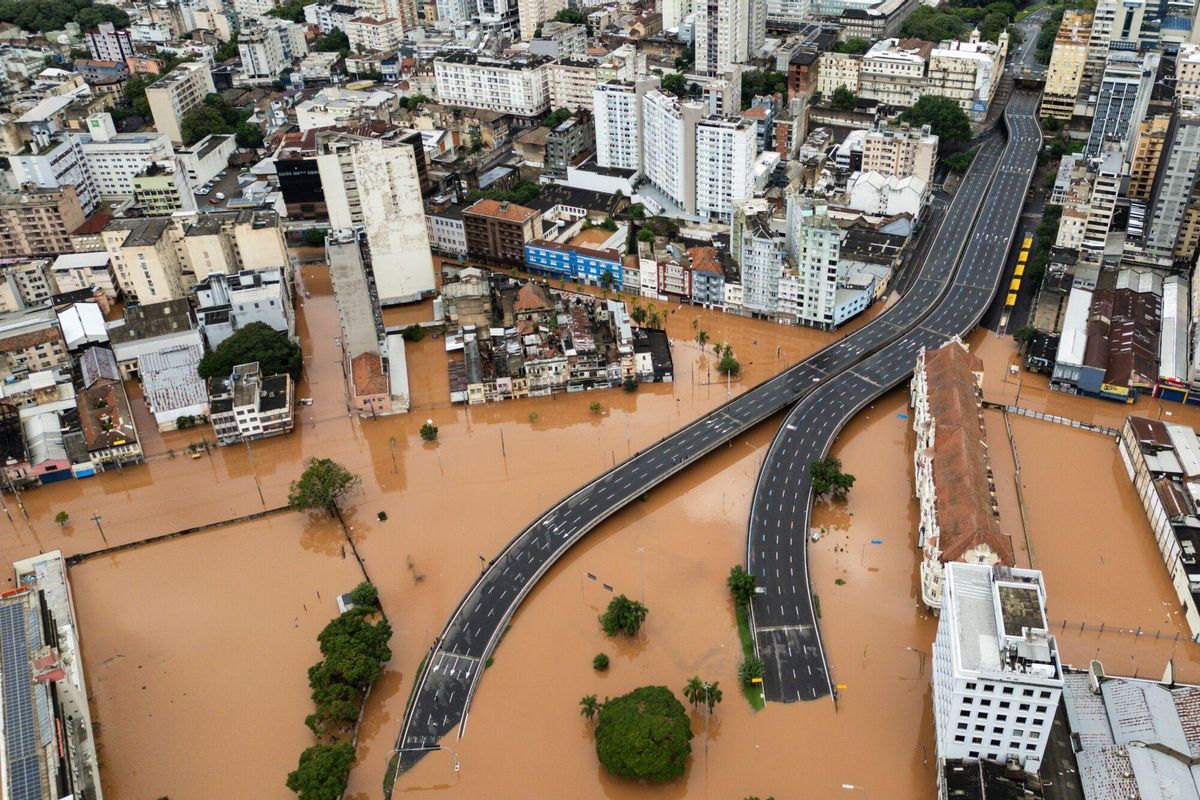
(959, 163)
(41, 16)
(258, 341)
(756, 82)
(674, 83)
(322, 772)
(933, 24)
(855, 45)
(623, 616)
(333, 42)
(943, 115)
(828, 478)
(292, 11)
(355, 649)
(843, 99)
(557, 117)
(320, 486)
(570, 16)
(644, 735)
(365, 596)
(741, 584)
(313, 237)
(201, 121)
(248, 134)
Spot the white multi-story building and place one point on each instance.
(725, 152)
(108, 43)
(788, 13)
(617, 111)
(456, 12)
(721, 34)
(50, 163)
(893, 71)
(669, 146)
(267, 50)
(447, 233)
(373, 185)
(1122, 100)
(336, 106)
(518, 85)
(499, 16)
(997, 679)
(247, 405)
(968, 72)
(173, 95)
(814, 244)
(226, 303)
(114, 159)
(74, 271)
(368, 34)
(534, 12)
(761, 254)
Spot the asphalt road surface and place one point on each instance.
(786, 627)
(452, 668)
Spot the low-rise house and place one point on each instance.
(171, 386)
(109, 434)
(228, 303)
(74, 271)
(152, 328)
(247, 405)
(573, 262)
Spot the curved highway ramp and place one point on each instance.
(786, 629)
(451, 671)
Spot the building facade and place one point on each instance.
(518, 85)
(178, 92)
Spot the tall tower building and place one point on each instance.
(721, 34)
(669, 146)
(1064, 75)
(1173, 186)
(617, 113)
(815, 246)
(375, 185)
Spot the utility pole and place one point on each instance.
(254, 472)
(96, 519)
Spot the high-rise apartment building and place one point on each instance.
(172, 96)
(1174, 184)
(1122, 100)
(1065, 72)
(52, 162)
(268, 49)
(38, 222)
(814, 244)
(1106, 188)
(146, 258)
(1116, 26)
(1187, 72)
(106, 43)
(997, 678)
(374, 184)
(721, 34)
(375, 35)
(572, 84)
(533, 13)
(1147, 154)
(725, 152)
(900, 151)
(113, 159)
(499, 16)
(668, 143)
(617, 110)
(761, 255)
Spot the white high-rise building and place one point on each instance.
(456, 12)
(669, 146)
(721, 34)
(499, 15)
(177, 93)
(50, 163)
(373, 184)
(115, 158)
(761, 254)
(997, 678)
(788, 13)
(815, 246)
(673, 12)
(261, 53)
(617, 113)
(725, 152)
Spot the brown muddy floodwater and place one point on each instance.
(220, 627)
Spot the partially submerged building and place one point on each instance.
(247, 405)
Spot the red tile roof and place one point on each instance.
(368, 375)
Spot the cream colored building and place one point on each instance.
(534, 12)
(230, 242)
(838, 69)
(572, 84)
(163, 188)
(367, 34)
(1187, 72)
(901, 151)
(1147, 152)
(1071, 227)
(893, 71)
(968, 72)
(1065, 73)
(174, 95)
(146, 259)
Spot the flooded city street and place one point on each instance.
(197, 648)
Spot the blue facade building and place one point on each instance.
(582, 264)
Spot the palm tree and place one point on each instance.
(638, 314)
(702, 338)
(712, 694)
(694, 691)
(654, 320)
(588, 706)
